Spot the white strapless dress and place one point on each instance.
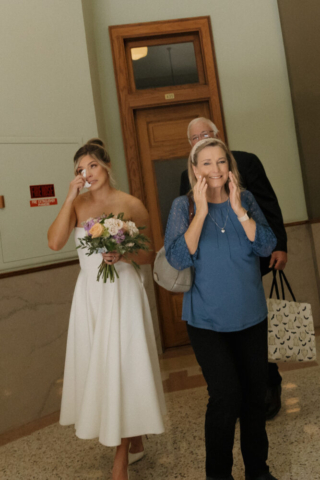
(112, 384)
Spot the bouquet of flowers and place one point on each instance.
(112, 234)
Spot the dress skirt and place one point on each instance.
(112, 384)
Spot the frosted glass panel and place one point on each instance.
(164, 65)
(168, 175)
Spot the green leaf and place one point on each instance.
(136, 266)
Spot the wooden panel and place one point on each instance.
(170, 132)
(155, 97)
(177, 301)
(172, 119)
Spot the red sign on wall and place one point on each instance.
(41, 191)
(44, 202)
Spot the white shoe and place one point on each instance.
(135, 457)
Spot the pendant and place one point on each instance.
(222, 230)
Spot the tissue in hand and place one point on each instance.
(84, 174)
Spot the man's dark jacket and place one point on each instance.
(255, 180)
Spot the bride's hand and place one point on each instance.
(111, 257)
(75, 186)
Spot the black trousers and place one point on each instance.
(235, 366)
(274, 377)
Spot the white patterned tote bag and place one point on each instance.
(290, 327)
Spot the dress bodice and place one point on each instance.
(87, 263)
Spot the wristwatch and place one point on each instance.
(244, 217)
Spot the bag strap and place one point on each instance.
(282, 275)
(281, 283)
(191, 208)
(274, 285)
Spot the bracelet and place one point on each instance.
(243, 218)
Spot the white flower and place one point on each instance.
(108, 221)
(118, 223)
(113, 229)
(130, 244)
(132, 229)
(113, 225)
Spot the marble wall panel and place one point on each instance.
(301, 269)
(34, 316)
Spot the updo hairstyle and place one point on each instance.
(97, 150)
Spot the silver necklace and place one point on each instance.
(223, 229)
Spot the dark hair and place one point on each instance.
(96, 149)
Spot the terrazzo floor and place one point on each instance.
(294, 435)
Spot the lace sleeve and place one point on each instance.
(265, 240)
(177, 252)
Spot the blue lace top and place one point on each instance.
(227, 293)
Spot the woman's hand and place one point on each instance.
(235, 197)
(111, 257)
(76, 185)
(200, 196)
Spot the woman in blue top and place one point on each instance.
(225, 309)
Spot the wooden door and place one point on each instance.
(164, 150)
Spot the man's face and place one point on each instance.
(199, 131)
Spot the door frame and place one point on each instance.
(130, 99)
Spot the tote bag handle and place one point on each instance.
(275, 285)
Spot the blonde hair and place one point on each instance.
(212, 142)
(97, 150)
(203, 120)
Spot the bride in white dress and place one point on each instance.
(112, 384)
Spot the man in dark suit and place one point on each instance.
(256, 181)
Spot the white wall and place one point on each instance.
(253, 78)
(45, 78)
(46, 113)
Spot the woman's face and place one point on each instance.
(213, 165)
(96, 175)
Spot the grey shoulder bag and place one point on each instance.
(169, 278)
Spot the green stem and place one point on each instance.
(107, 272)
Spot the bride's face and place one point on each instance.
(96, 175)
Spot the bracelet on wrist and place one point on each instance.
(243, 218)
